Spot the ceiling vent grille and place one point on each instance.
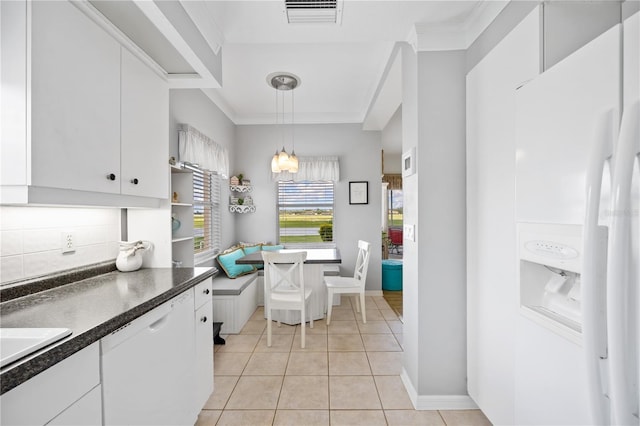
(313, 11)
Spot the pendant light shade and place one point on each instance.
(275, 168)
(281, 161)
(293, 162)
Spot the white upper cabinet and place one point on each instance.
(145, 130)
(75, 101)
(87, 122)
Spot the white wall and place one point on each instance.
(31, 239)
(392, 143)
(359, 153)
(193, 107)
(434, 200)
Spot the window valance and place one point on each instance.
(197, 148)
(394, 180)
(312, 169)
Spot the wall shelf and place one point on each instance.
(241, 188)
(177, 240)
(241, 208)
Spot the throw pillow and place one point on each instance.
(273, 248)
(228, 263)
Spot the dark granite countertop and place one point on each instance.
(92, 308)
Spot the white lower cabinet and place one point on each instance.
(85, 411)
(204, 344)
(55, 392)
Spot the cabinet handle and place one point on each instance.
(206, 291)
(134, 181)
(111, 176)
(203, 319)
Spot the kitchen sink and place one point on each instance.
(16, 343)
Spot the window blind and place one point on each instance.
(305, 213)
(206, 214)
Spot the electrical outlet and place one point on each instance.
(68, 242)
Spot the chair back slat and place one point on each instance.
(283, 272)
(362, 262)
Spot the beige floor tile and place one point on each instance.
(357, 417)
(392, 392)
(319, 327)
(413, 418)
(389, 314)
(348, 364)
(342, 315)
(344, 342)
(267, 364)
(381, 303)
(229, 363)
(301, 417)
(308, 364)
(255, 393)
(342, 327)
(254, 327)
(464, 418)
(385, 363)
(380, 343)
(400, 338)
(305, 393)
(374, 327)
(240, 343)
(223, 386)
(208, 417)
(246, 417)
(345, 304)
(283, 329)
(373, 314)
(312, 343)
(279, 343)
(396, 326)
(258, 314)
(353, 393)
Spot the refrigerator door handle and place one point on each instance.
(594, 268)
(623, 400)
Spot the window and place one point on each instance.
(394, 214)
(305, 213)
(206, 214)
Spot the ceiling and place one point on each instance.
(349, 70)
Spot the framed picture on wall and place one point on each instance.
(359, 192)
(409, 162)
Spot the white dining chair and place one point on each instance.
(351, 285)
(284, 287)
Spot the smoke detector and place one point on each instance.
(313, 11)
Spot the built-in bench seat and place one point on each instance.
(234, 301)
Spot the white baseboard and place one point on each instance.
(436, 402)
(373, 293)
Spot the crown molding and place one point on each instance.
(425, 37)
(304, 118)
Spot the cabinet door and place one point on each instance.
(204, 354)
(75, 101)
(87, 411)
(145, 130)
(45, 396)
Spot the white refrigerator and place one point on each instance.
(577, 212)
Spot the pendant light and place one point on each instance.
(284, 82)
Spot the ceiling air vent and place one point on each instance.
(313, 11)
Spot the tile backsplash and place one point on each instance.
(31, 239)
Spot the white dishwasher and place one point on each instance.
(147, 367)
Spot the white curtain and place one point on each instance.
(197, 148)
(312, 169)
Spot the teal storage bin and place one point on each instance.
(391, 274)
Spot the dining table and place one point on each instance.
(313, 278)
